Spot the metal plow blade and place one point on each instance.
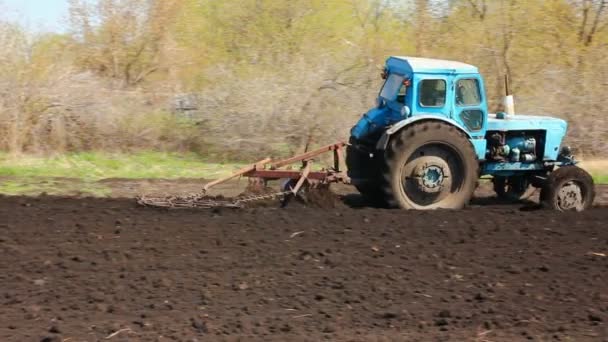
(185, 202)
(204, 202)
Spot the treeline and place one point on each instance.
(231, 78)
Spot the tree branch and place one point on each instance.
(596, 21)
(586, 8)
(481, 12)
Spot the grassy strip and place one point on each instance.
(78, 173)
(600, 179)
(598, 169)
(96, 166)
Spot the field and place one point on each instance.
(86, 269)
(92, 265)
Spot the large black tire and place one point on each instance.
(430, 165)
(568, 188)
(362, 167)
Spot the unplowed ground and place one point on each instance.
(107, 270)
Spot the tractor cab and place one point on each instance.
(418, 88)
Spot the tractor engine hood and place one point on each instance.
(526, 122)
(555, 129)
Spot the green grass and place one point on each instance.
(598, 168)
(78, 173)
(96, 166)
(600, 179)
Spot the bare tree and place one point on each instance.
(592, 19)
(122, 39)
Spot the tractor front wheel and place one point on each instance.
(568, 188)
(430, 165)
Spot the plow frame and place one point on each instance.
(268, 169)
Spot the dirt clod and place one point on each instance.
(199, 326)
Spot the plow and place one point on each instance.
(294, 182)
(424, 146)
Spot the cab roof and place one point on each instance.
(409, 65)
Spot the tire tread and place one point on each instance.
(410, 134)
(548, 194)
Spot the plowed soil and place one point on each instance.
(107, 270)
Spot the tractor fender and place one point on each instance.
(383, 142)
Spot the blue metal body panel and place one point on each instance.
(374, 120)
(394, 114)
(480, 146)
(396, 127)
(509, 168)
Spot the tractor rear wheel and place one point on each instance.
(430, 165)
(367, 171)
(568, 188)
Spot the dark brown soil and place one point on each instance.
(107, 270)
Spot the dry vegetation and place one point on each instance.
(236, 78)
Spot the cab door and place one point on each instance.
(431, 95)
(470, 105)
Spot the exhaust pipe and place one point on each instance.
(509, 102)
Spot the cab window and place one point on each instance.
(432, 93)
(391, 86)
(467, 92)
(401, 94)
(472, 119)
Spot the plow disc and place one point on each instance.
(259, 175)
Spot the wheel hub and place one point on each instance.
(430, 177)
(570, 197)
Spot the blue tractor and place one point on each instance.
(430, 138)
